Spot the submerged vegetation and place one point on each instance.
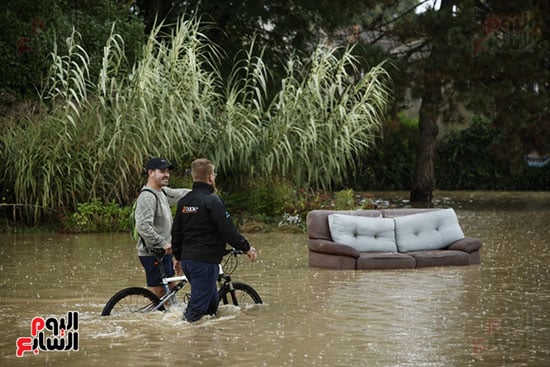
(92, 133)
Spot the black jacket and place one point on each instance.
(203, 226)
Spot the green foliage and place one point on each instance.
(320, 119)
(25, 36)
(280, 28)
(343, 200)
(274, 202)
(101, 132)
(467, 160)
(31, 30)
(96, 216)
(302, 201)
(464, 159)
(390, 166)
(103, 127)
(262, 199)
(310, 130)
(180, 176)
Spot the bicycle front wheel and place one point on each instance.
(131, 300)
(241, 295)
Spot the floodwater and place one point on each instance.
(493, 314)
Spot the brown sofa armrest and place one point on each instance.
(467, 244)
(333, 248)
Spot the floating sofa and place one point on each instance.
(388, 239)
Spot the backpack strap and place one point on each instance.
(152, 192)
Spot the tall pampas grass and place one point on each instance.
(100, 129)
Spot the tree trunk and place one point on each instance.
(433, 79)
(423, 180)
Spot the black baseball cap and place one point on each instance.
(158, 163)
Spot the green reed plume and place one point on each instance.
(100, 129)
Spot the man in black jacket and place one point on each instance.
(201, 229)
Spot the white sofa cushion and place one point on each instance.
(432, 230)
(365, 234)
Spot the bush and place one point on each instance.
(343, 200)
(96, 216)
(30, 29)
(465, 161)
(390, 164)
(264, 199)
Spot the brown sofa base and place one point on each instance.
(339, 262)
(394, 260)
(385, 260)
(440, 258)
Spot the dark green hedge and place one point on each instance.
(464, 160)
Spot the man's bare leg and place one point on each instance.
(159, 289)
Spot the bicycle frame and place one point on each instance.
(170, 294)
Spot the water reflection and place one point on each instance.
(495, 314)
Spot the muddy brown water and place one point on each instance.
(494, 314)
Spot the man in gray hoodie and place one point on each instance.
(154, 222)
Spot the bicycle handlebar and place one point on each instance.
(233, 252)
(158, 251)
(161, 252)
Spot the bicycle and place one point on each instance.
(140, 300)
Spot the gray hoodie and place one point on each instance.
(154, 217)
